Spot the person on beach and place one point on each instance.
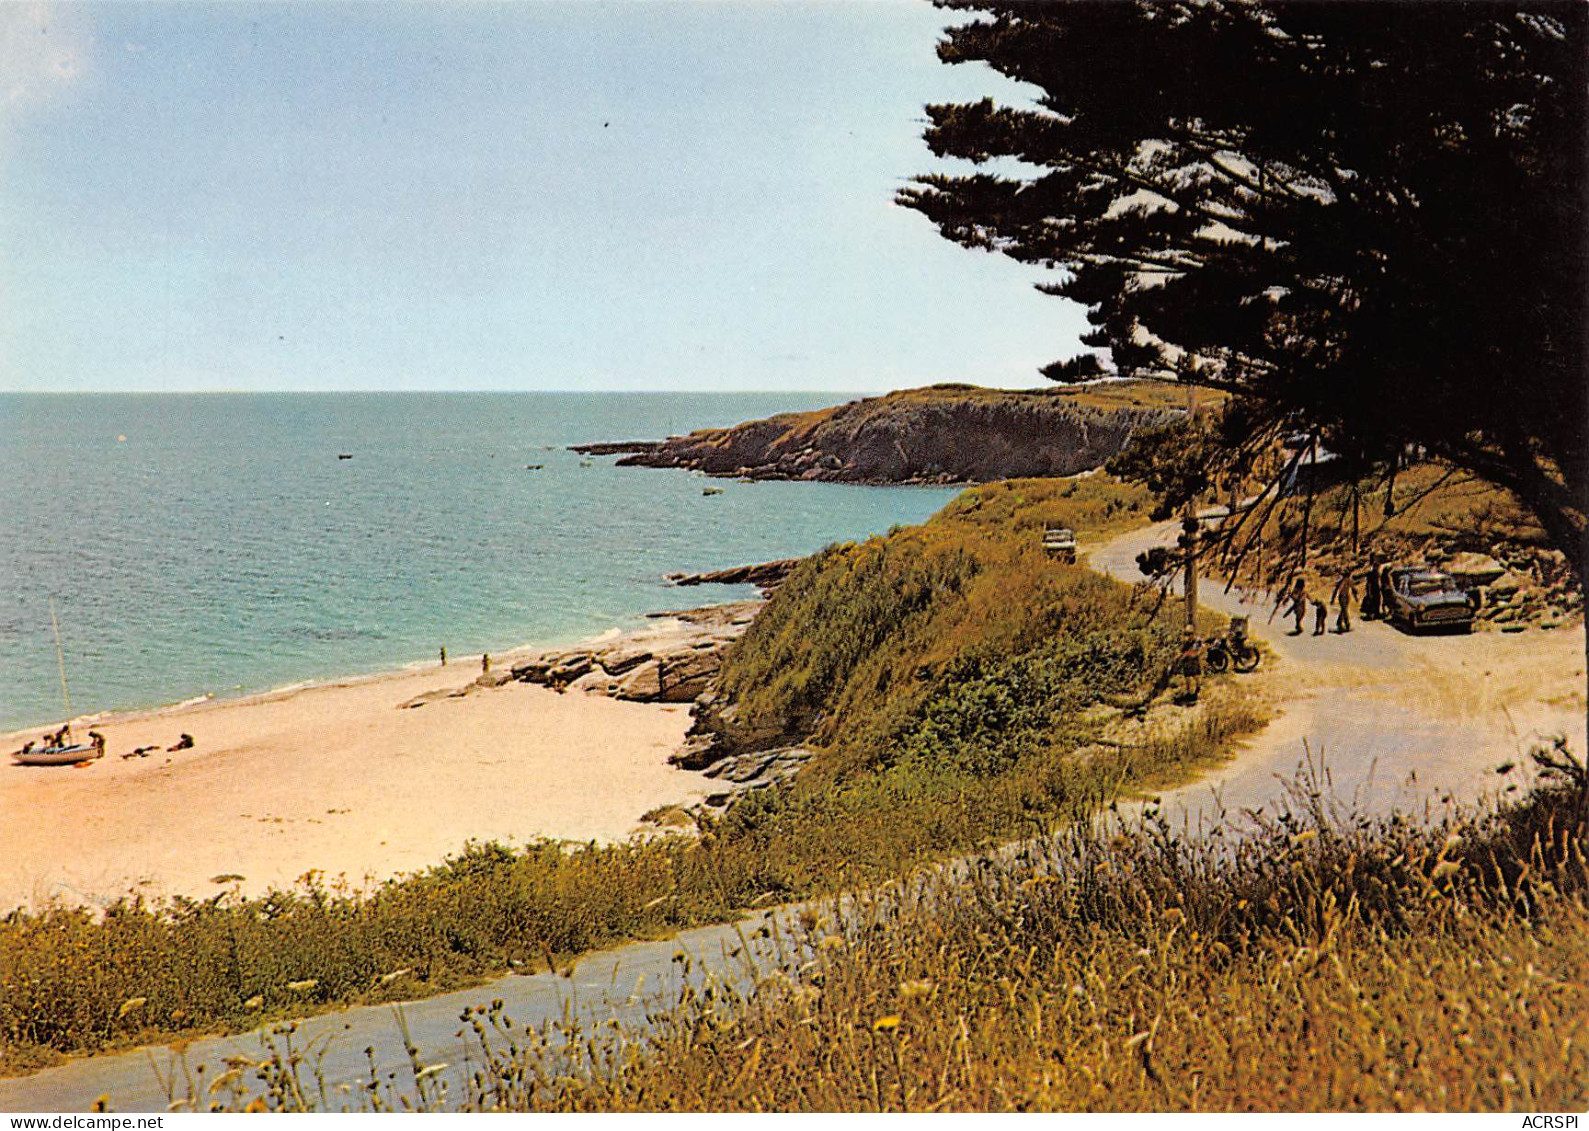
(99, 742)
(485, 663)
(1345, 592)
(1320, 613)
(443, 655)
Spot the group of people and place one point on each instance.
(62, 739)
(1296, 601)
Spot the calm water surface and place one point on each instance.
(223, 547)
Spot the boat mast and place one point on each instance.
(60, 659)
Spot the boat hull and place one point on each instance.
(56, 756)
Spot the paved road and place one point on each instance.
(1395, 721)
(620, 983)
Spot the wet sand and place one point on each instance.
(334, 778)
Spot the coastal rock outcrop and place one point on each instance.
(765, 576)
(942, 434)
(672, 660)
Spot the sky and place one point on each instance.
(531, 195)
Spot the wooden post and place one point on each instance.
(1188, 541)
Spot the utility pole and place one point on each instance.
(1188, 538)
(1188, 543)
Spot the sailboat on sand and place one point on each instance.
(58, 748)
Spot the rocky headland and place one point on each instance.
(941, 434)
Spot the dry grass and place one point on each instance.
(1323, 964)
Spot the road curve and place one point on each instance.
(1388, 720)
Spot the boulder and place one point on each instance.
(640, 684)
(1472, 569)
(536, 670)
(622, 657)
(569, 669)
(686, 676)
(1506, 584)
(595, 681)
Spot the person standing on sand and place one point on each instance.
(485, 663)
(443, 655)
(1345, 592)
(1320, 612)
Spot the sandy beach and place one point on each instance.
(335, 778)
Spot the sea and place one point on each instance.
(221, 544)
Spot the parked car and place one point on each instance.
(1421, 597)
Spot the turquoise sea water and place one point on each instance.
(223, 548)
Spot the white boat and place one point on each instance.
(61, 751)
(57, 755)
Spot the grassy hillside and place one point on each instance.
(953, 679)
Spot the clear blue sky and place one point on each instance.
(489, 196)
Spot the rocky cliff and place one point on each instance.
(941, 434)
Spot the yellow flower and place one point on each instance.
(255, 1002)
(303, 986)
(886, 1024)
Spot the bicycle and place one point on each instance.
(1233, 650)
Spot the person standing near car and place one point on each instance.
(1345, 591)
(1373, 606)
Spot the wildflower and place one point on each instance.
(255, 1002)
(886, 1024)
(303, 986)
(129, 1005)
(1304, 837)
(915, 988)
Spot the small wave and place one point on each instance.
(195, 701)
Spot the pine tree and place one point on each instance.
(1366, 220)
